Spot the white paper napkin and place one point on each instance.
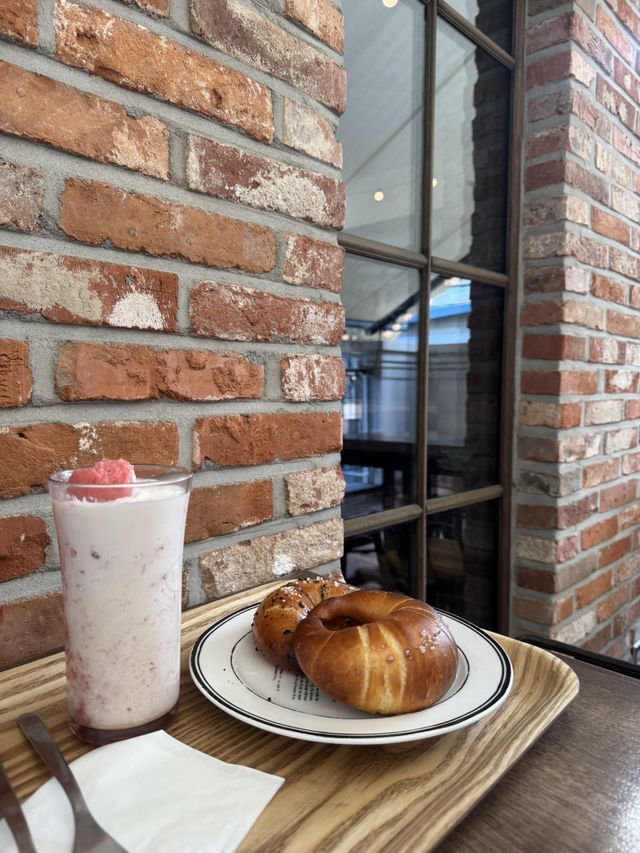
(154, 794)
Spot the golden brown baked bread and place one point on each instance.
(379, 651)
(278, 615)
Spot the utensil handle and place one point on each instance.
(40, 739)
(11, 810)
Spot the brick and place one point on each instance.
(625, 203)
(556, 280)
(631, 463)
(554, 415)
(21, 197)
(630, 516)
(559, 66)
(313, 263)
(30, 627)
(545, 174)
(559, 382)
(65, 289)
(615, 601)
(603, 411)
(632, 354)
(81, 123)
(95, 212)
(606, 288)
(556, 209)
(600, 472)
(556, 579)
(242, 314)
(312, 377)
(310, 491)
(576, 630)
(227, 172)
(598, 532)
(546, 550)
(620, 439)
(28, 454)
(593, 589)
(613, 167)
(609, 226)
(87, 371)
(607, 351)
(158, 7)
(137, 59)
(320, 18)
(218, 510)
(621, 381)
(307, 131)
(267, 558)
(626, 325)
(615, 103)
(23, 546)
(240, 32)
(19, 21)
(565, 244)
(560, 347)
(614, 36)
(626, 146)
(614, 552)
(15, 375)
(550, 484)
(544, 612)
(587, 111)
(624, 263)
(257, 439)
(553, 450)
(558, 139)
(557, 516)
(550, 313)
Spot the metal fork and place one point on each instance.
(11, 810)
(89, 837)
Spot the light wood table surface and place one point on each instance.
(471, 790)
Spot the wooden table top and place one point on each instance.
(559, 774)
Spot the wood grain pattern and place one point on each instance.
(335, 798)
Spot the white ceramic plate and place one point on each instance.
(228, 670)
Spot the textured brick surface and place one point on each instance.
(15, 375)
(95, 212)
(23, 544)
(19, 20)
(81, 123)
(132, 372)
(257, 439)
(305, 130)
(136, 58)
(230, 173)
(241, 314)
(313, 263)
(310, 491)
(237, 30)
(21, 196)
(312, 377)
(216, 510)
(320, 18)
(65, 289)
(29, 628)
(268, 558)
(29, 454)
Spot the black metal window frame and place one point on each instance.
(428, 265)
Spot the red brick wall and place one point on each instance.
(170, 193)
(577, 563)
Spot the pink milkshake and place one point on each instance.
(121, 560)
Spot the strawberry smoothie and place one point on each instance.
(120, 551)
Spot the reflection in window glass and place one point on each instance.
(465, 330)
(461, 562)
(382, 559)
(493, 18)
(382, 128)
(470, 153)
(379, 349)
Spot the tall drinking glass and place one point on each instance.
(121, 561)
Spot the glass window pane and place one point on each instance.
(381, 559)
(382, 128)
(492, 18)
(465, 344)
(470, 153)
(462, 555)
(379, 349)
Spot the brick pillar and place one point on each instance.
(577, 567)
